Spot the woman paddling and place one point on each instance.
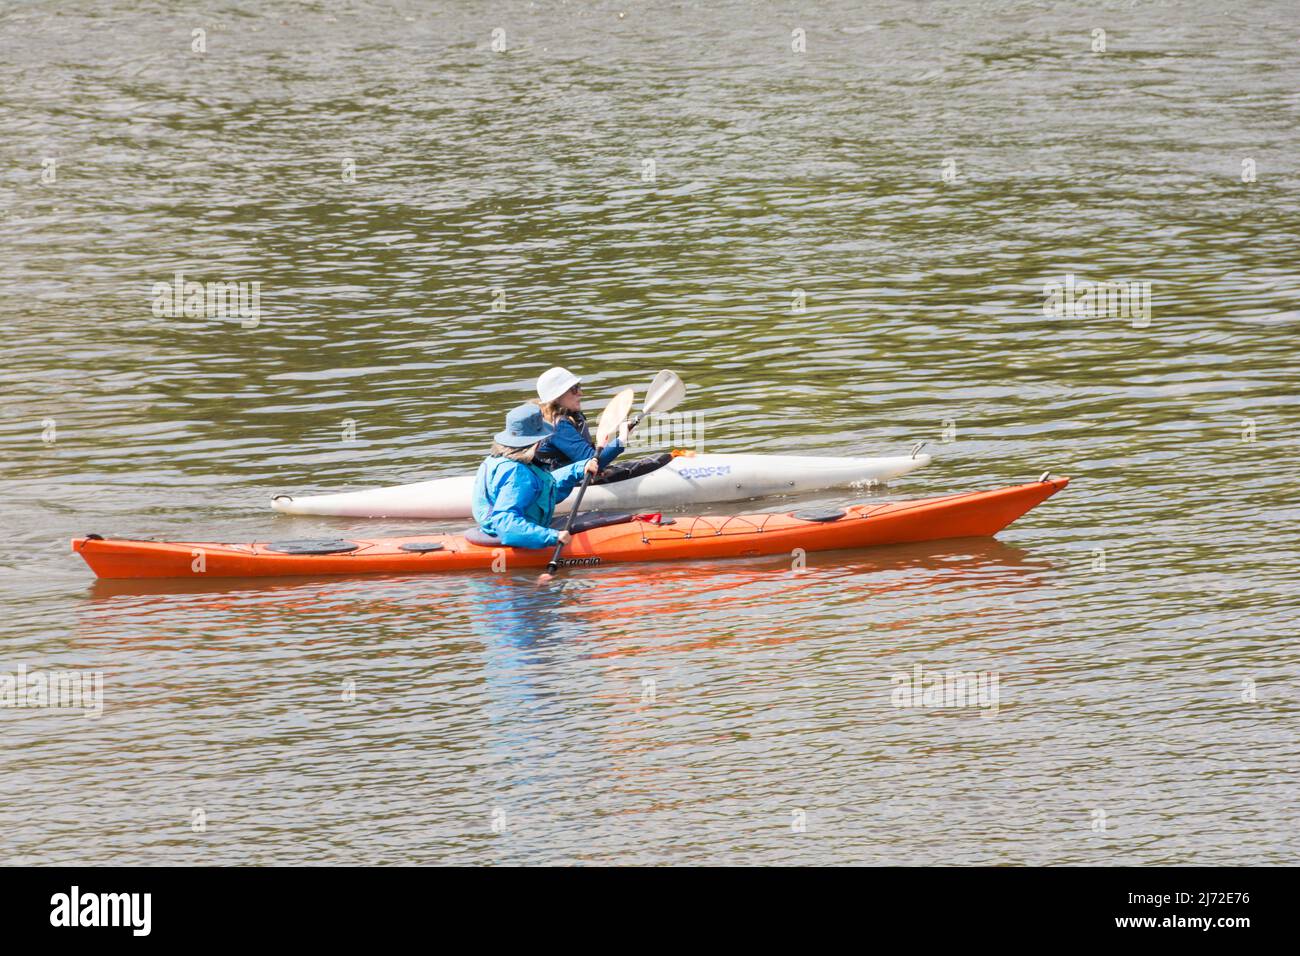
(514, 498)
(559, 392)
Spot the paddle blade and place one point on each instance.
(664, 393)
(613, 416)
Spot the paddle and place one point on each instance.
(612, 417)
(664, 393)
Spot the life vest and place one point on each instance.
(550, 457)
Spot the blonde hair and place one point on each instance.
(550, 410)
(553, 411)
(524, 455)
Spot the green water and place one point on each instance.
(386, 176)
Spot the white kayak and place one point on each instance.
(686, 480)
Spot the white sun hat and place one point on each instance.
(554, 382)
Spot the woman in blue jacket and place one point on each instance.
(559, 392)
(514, 498)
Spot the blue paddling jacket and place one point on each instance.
(572, 442)
(515, 501)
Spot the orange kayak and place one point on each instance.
(971, 515)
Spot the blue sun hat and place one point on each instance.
(524, 426)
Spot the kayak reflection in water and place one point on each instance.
(559, 393)
(514, 498)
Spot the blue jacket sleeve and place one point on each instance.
(568, 478)
(512, 499)
(611, 451)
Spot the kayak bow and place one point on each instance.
(974, 514)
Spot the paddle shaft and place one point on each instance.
(553, 565)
